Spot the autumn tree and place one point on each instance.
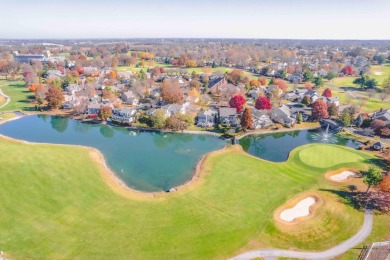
(105, 112)
(158, 118)
(54, 97)
(384, 185)
(155, 72)
(254, 83)
(235, 76)
(263, 81)
(333, 110)
(207, 70)
(281, 84)
(177, 122)
(246, 119)
(348, 70)
(171, 91)
(319, 110)
(308, 86)
(386, 85)
(306, 100)
(327, 93)
(195, 84)
(377, 125)
(237, 102)
(190, 63)
(112, 74)
(193, 92)
(371, 177)
(263, 102)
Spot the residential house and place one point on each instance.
(283, 115)
(291, 96)
(300, 93)
(170, 109)
(130, 98)
(378, 146)
(272, 89)
(175, 108)
(73, 88)
(313, 95)
(323, 73)
(215, 84)
(383, 115)
(207, 118)
(54, 74)
(330, 124)
(255, 93)
(228, 116)
(126, 114)
(93, 109)
(331, 100)
(260, 119)
(295, 78)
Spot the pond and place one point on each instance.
(144, 161)
(277, 146)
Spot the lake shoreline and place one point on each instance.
(111, 178)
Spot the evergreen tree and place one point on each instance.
(345, 118)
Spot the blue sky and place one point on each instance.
(297, 19)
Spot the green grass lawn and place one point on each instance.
(5, 115)
(55, 205)
(2, 100)
(330, 156)
(380, 72)
(190, 70)
(21, 98)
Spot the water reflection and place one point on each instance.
(276, 147)
(107, 131)
(59, 124)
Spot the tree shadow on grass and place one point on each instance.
(379, 162)
(376, 200)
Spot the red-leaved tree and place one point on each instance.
(237, 102)
(348, 70)
(308, 86)
(327, 93)
(263, 102)
(319, 110)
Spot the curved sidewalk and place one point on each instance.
(359, 237)
(7, 98)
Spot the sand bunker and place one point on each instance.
(342, 176)
(378, 73)
(302, 209)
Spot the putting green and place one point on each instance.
(325, 156)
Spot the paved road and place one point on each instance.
(359, 237)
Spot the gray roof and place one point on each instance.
(227, 111)
(94, 105)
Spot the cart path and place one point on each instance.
(7, 98)
(343, 247)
